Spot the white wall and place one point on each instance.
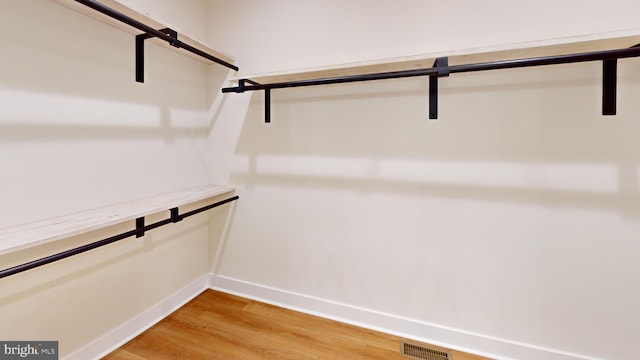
(509, 226)
(284, 34)
(77, 132)
(188, 16)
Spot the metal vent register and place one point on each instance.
(421, 352)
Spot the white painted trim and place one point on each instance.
(135, 326)
(456, 339)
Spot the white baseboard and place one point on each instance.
(404, 327)
(132, 328)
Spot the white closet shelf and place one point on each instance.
(553, 47)
(29, 235)
(146, 19)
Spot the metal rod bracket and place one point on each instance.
(175, 216)
(140, 227)
(140, 50)
(137, 232)
(267, 105)
(174, 37)
(242, 83)
(442, 64)
(442, 67)
(609, 86)
(169, 36)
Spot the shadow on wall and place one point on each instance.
(130, 250)
(68, 76)
(514, 216)
(78, 131)
(533, 136)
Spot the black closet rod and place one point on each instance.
(138, 232)
(493, 65)
(151, 31)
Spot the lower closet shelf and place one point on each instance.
(25, 236)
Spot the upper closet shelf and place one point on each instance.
(606, 47)
(534, 49)
(29, 235)
(145, 27)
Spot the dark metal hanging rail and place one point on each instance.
(139, 231)
(167, 35)
(441, 69)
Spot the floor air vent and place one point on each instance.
(421, 352)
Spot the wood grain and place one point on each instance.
(28, 235)
(560, 46)
(216, 325)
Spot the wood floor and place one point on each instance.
(216, 325)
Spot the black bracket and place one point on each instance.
(241, 84)
(267, 97)
(442, 66)
(139, 230)
(609, 86)
(140, 50)
(140, 227)
(267, 105)
(175, 217)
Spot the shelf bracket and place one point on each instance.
(267, 105)
(137, 232)
(609, 86)
(175, 217)
(140, 227)
(267, 96)
(140, 50)
(442, 65)
(241, 83)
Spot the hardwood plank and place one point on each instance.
(126, 355)
(216, 325)
(458, 355)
